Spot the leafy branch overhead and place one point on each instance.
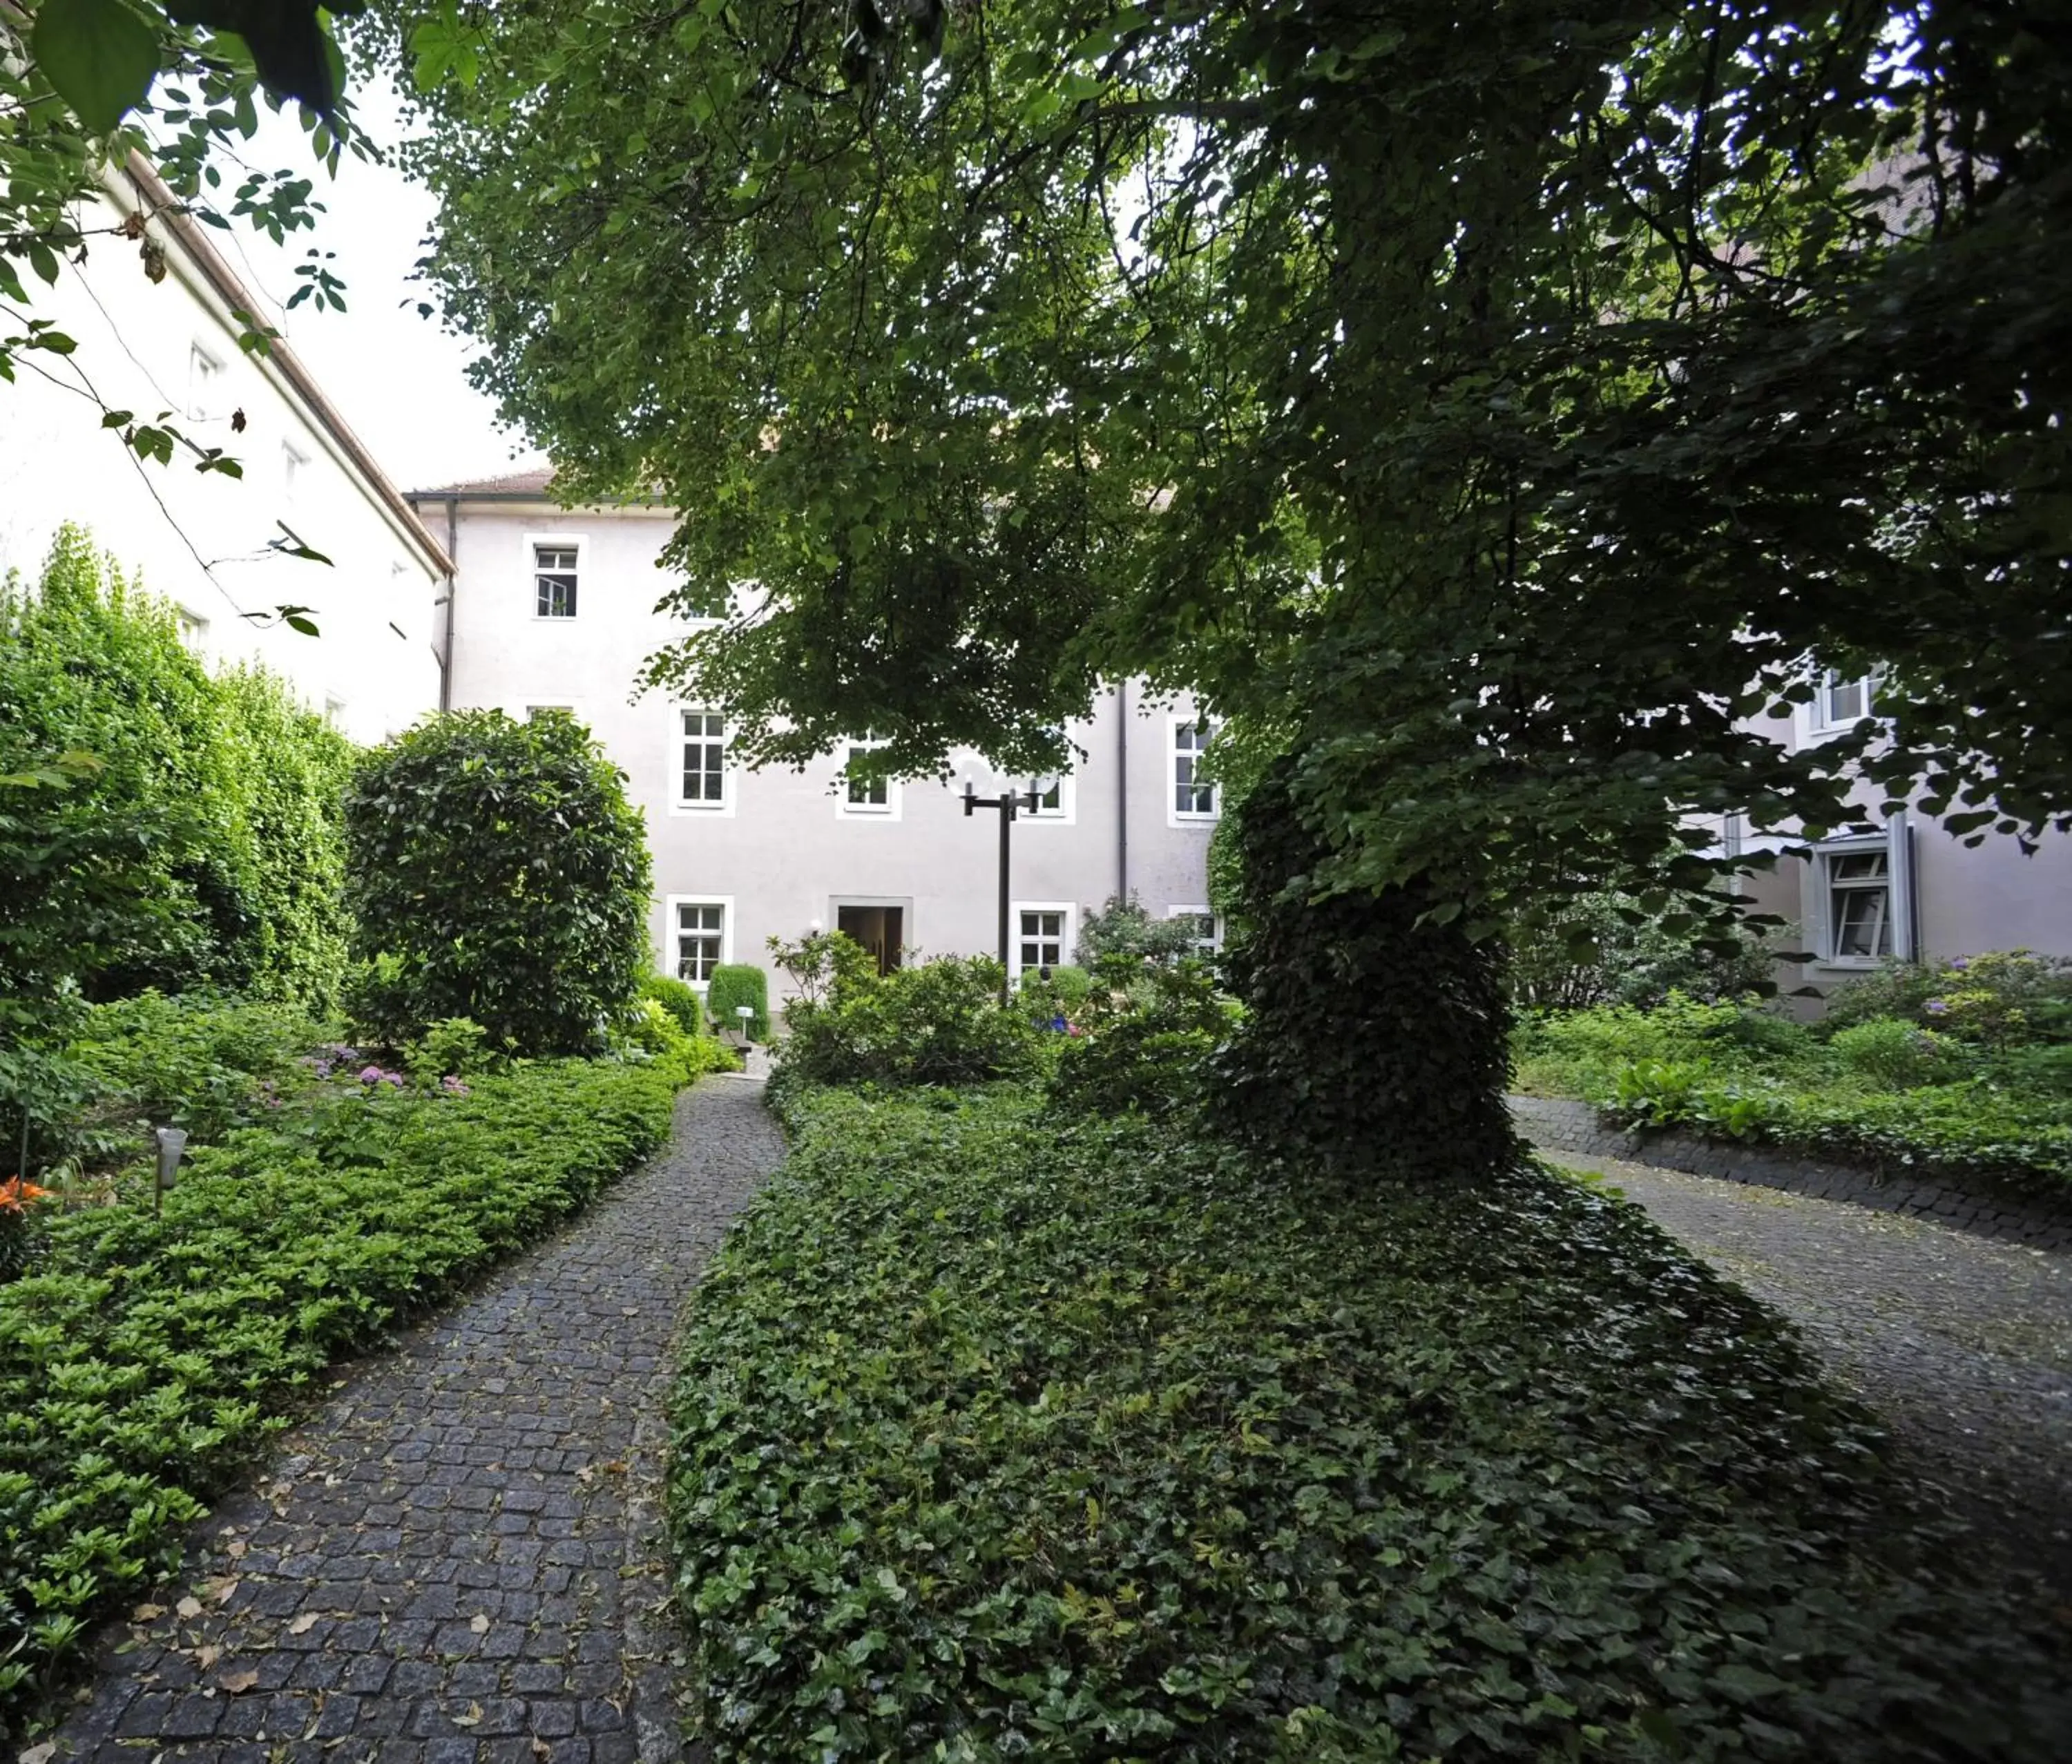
(1513, 405)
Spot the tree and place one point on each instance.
(1503, 405)
(496, 871)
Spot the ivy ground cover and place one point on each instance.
(142, 1359)
(997, 1437)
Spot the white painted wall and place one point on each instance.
(781, 853)
(375, 609)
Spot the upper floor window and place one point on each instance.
(194, 628)
(1194, 796)
(554, 581)
(866, 799)
(701, 771)
(1048, 799)
(204, 385)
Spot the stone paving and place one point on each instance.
(458, 1560)
(1963, 1347)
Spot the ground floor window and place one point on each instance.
(1208, 929)
(1863, 902)
(699, 930)
(1043, 936)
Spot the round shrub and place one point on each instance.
(736, 983)
(679, 999)
(497, 872)
(1894, 1054)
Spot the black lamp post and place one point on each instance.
(1006, 803)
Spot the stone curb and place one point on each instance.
(1558, 1124)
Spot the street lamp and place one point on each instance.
(1005, 804)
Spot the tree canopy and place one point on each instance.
(1502, 404)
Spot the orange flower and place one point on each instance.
(14, 1191)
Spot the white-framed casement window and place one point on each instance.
(554, 577)
(1839, 703)
(700, 933)
(1192, 800)
(1864, 900)
(528, 711)
(333, 711)
(194, 629)
(1053, 797)
(701, 780)
(864, 799)
(205, 385)
(1208, 928)
(1043, 936)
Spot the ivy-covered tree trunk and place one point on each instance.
(1371, 1044)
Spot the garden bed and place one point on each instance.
(996, 1436)
(143, 1359)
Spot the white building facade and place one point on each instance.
(555, 607)
(160, 335)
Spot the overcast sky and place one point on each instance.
(399, 380)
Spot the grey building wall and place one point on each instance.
(783, 852)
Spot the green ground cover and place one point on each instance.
(1964, 1072)
(143, 1356)
(1001, 1435)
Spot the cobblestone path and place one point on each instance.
(1963, 1347)
(458, 1559)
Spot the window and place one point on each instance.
(1864, 907)
(701, 777)
(204, 385)
(1208, 929)
(1839, 704)
(534, 710)
(699, 935)
(865, 799)
(1053, 798)
(1042, 935)
(1193, 798)
(335, 712)
(294, 464)
(554, 581)
(194, 628)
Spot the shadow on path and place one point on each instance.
(458, 1559)
(1963, 1346)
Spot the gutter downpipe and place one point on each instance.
(1122, 789)
(452, 589)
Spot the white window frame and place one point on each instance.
(1065, 814)
(334, 711)
(205, 384)
(847, 809)
(295, 462)
(1895, 843)
(1819, 725)
(730, 772)
(1068, 935)
(670, 930)
(1213, 943)
(194, 629)
(1175, 815)
(522, 710)
(534, 543)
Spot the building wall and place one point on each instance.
(781, 854)
(373, 659)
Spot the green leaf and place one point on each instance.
(98, 55)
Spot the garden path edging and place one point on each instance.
(1558, 1124)
(459, 1558)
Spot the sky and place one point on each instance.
(399, 380)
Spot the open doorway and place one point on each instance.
(881, 929)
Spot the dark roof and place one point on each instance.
(535, 483)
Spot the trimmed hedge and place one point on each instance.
(143, 1359)
(995, 1437)
(734, 984)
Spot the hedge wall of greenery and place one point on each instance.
(167, 827)
(142, 1360)
(998, 1438)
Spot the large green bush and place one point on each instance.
(143, 1360)
(496, 872)
(997, 1437)
(2002, 999)
(165, 827)
(936, 1022)
(1143, 1044)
